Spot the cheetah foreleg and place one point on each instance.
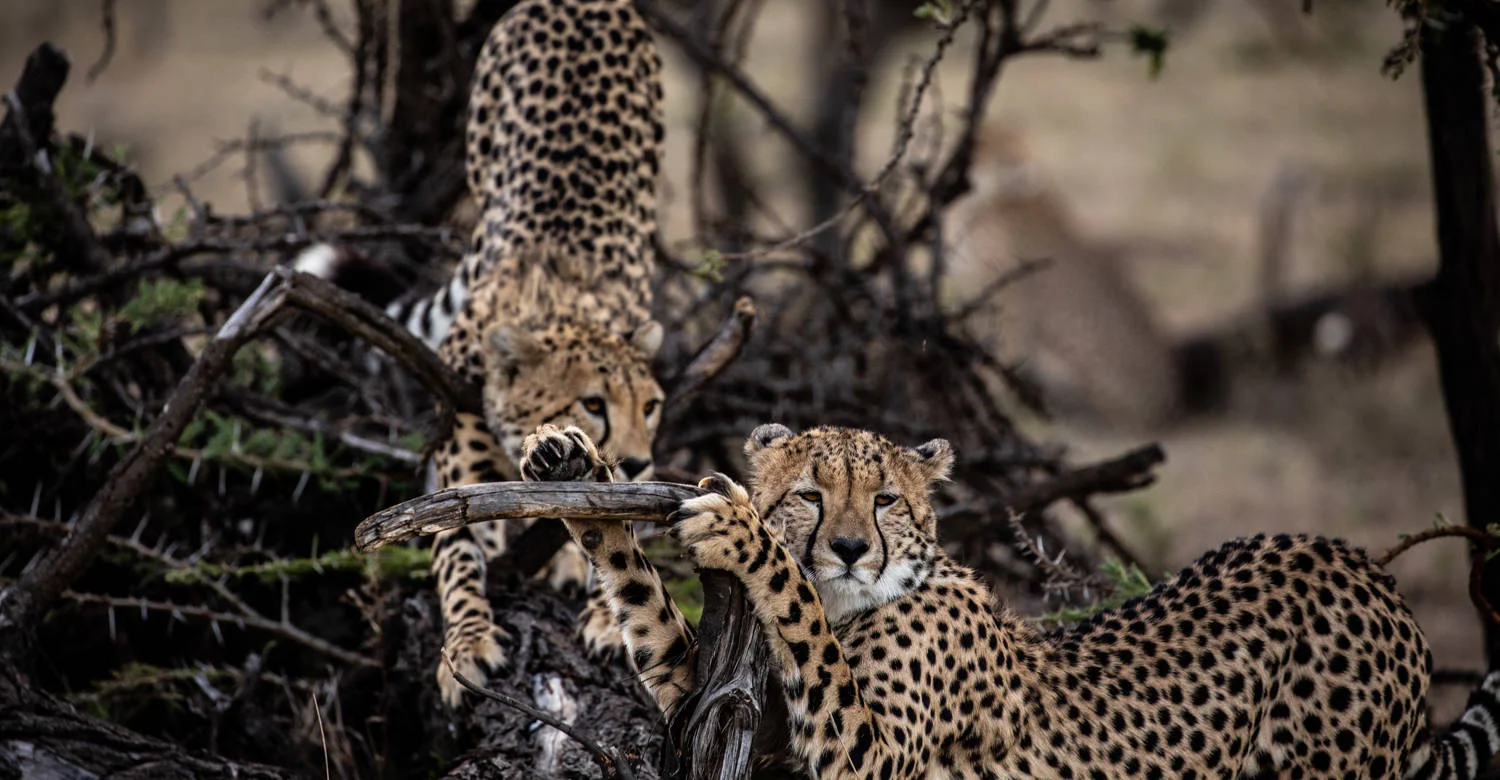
(832, 729)
(656, 635)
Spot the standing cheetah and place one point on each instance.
(550, 311)
(1284, 656)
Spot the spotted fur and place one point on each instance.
(640, 609)
(550, 311)
(1273, 656)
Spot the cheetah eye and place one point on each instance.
(651, 407)
(811, 496)
(593, 405)
(884, 499)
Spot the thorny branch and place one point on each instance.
(23, 603)
(248, 616)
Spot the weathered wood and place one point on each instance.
(722, 726)
(456, 507)
(715, 356)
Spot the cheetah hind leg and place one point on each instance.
(477, 657)
(554, 455)
(474, 642)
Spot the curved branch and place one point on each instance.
(715, 356)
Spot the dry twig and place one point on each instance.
(1481, 539)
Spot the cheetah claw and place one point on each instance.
(558, 455)
(718, 483)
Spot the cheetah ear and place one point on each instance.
(647, 338)
(513, 348)
(935, 459)
(769, 435)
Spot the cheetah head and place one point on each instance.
(852, 507)
(571, 372)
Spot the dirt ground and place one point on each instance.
(1175, 166)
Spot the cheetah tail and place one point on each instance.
(354, 271)
(1467, 749)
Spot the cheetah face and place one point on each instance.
(574, 373)
(852, 507)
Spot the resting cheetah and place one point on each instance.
(550, 311)
(1284, 656)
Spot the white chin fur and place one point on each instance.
(846, 597)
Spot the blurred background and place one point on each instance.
(1268, 164)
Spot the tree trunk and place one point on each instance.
(1460, 304)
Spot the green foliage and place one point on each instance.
(940, 11)
(81, 177)
(710, 267)
(233, 442)
(16, 221)
(159, 301)
(1151, 43)
(255, 367)
(1126, 581)
(80, 337)
(114, 699)
(688, 594)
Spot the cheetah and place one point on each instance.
(1273, 656)
(550, 309)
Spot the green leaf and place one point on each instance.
(940, 11)
(710, 267)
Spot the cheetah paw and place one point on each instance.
(555, 454)
(477, 653)
(720, 528)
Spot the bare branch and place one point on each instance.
(715, 356)
(456, 507)
(254, 620)
(107, 22)
(1131, 471)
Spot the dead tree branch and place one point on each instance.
(720, 728)
(456, 507)
(1461, 306)
(1131, 471)
(715, 356)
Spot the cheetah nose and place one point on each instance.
(847, 549)
(634, 466)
